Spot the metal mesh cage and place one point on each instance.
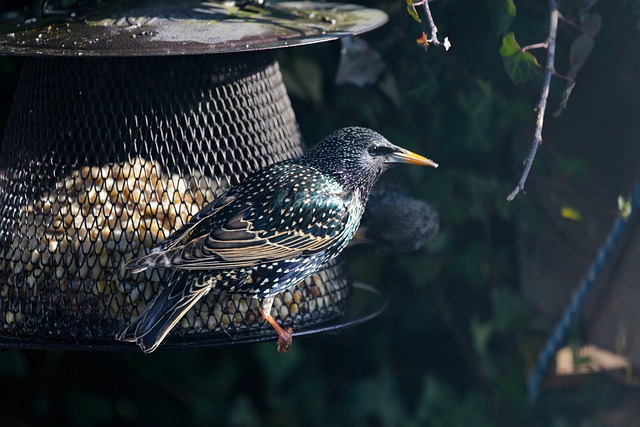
(104, 157)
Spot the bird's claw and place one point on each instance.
(284, 340)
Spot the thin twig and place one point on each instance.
(433, 30)
(542, 45)
(571, 23)
(563, 77)
(542, 104)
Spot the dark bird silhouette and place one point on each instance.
(395, 221)
(277, 227)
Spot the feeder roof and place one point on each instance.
(152, 28)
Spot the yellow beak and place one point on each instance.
(406, 156)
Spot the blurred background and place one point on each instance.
(470, 312)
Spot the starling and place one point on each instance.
(395, 221)
(273, 230)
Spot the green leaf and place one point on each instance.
(411, 9)
(507, 15)
(624, 207)
(521, 66)
(511, 8)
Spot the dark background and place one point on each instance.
(458, 340)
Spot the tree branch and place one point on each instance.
(542, 104)
(433, 30)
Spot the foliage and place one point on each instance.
(520, 65)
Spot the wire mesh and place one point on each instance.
(105, 157)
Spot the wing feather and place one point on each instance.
(245, 228)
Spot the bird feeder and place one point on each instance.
(125, 123)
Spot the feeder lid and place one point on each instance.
(155, 28)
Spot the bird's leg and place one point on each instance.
(284, 336)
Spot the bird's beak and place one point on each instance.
(406, 156)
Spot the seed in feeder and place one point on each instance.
(293, 310)
(101, 286)
(225, 321)
(31, 281)
(211, 323)
(288, 297)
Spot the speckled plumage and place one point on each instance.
(396, 221)
(277, 227)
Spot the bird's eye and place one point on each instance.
(379, 150)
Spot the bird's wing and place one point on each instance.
(184, 234)
(186, 231)
(279, 224)
(268, 230)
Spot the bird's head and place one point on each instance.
(356, 157)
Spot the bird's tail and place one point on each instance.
(149, 329)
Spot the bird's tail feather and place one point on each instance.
(150, 328)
